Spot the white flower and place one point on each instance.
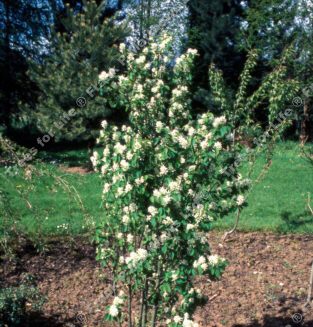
(140, 60)
(174, 186)
(177, 92)
(125, 219)
(115, 166)
(178, 319)
(121, 79)
(192, 51)
(117, 178)
(166, 199)
(128, 188)
(142, 254)
(94, 158)
(139, 180)
(120, 191)
(103, 76)
(190, 227)
(113, 311)
(240, 200)
(218, 145)
(159, 126)
(117, 301)
(168, 221)
(201, 121)
(119, 148)
(201, 260)
(204, 144)
(179, 60)
(204, 266)
(182, 160)
(174, 276)
(106, 151)
(163, 170)
(119, 236)
(191, 131)
(124, 164)
(135, 257)
(122, 47)
(137, 145)
(164, 237)
(121, 259)
(106, 188)
(111, 72)
(192, 168)
(213, 259)
(191, 192)
(130, 238)
(219, 121)
(129, 155)
(152, 210)
(182, 142)
(187, 322)
(104, 124)
(132, 207)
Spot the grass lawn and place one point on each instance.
(53, 196)
(278, 202)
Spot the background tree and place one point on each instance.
(213, 29)
(85, 47)
(24, 28)
(150, 18)
(271, 27)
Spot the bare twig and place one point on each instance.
(213, 297)
(234, 228)
(309, 299)
(309, 203)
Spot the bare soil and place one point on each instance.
(265, 284)
(75, 170)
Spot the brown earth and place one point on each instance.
(265, 284)
(75, 170)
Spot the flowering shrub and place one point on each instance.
(153, 234)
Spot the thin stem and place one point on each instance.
(145, 306)
(234, 228)
(156, 305)
(309, 204)
(142, 305)
(130, 324)
(308, 301)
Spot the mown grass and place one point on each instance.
(279, 201)
(52, 197)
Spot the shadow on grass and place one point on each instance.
(294, 222)
(70, 160)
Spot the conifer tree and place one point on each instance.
(213, 28)
(85, 47)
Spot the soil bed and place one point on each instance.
(264, 285)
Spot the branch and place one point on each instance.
(309, 204)
(130, 324)
(308, 301)
(234, 228)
